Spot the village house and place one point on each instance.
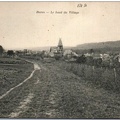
(69, 54)
(106, 57)
(117, 57)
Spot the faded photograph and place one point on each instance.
(59, 60)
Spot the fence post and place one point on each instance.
(93, 68)
(115, 74)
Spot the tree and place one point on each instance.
(91, 51)
(1, 50)
(42, 54)
(10, 52)
(81, 59)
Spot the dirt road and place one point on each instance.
(55, 93)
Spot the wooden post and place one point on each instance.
(115, 75)
(93, 68)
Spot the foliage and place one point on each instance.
(10, 52)
(81, 59)
(1, 50)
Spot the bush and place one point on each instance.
(81, 59)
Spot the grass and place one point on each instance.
(8, 60)
(13, 99)
(97, 76)
(12, 72)
(73, 96)
(100, 77)
(75, 90)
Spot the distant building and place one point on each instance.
(60, 46)
(57, 49)
(105, 57)
(53, 49)
(117, 57)
(97, 56)
(69, 54)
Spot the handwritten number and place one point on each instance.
(85, 5)
(82, 5)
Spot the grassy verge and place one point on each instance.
(96, 76)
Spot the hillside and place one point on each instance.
(104, 45)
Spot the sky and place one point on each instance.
(21, 26)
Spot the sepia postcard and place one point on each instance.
(59, 60)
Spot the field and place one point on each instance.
(12, 72)
(61, 89)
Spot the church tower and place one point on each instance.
(60, 45)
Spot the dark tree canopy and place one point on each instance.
(10, 52)
(81, 59)
(91, 51)
(1, 50)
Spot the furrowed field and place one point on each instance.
(12, 72)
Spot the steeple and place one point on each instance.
(60, 43)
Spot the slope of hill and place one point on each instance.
(109, 44)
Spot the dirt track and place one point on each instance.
(55, 93)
